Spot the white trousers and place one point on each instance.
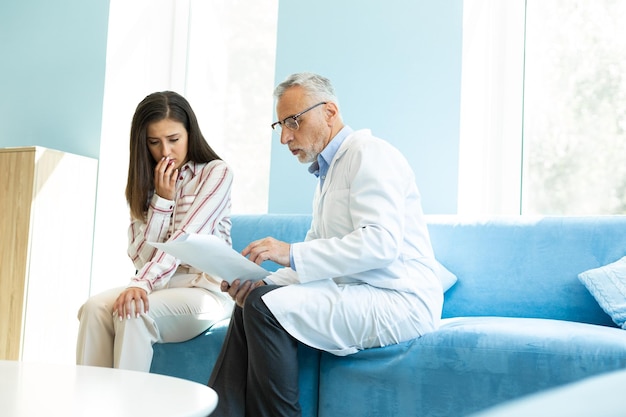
(190, 305)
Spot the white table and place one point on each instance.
(36, 389)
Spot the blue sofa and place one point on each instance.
(518, 321)
(599, 395)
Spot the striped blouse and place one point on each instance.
(202, 205)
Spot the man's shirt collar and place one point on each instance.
(328, 153)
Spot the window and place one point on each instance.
(575, 107)
(220, 55)
(543, 107)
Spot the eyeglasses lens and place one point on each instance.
(291, 123)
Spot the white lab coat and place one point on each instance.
(365, 269)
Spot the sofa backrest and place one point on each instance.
(289, 228)
(506, 266)
(526, 266)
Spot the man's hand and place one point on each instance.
(239, 290)
(129, 298)
(268, 249)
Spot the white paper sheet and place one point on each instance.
(212, 255)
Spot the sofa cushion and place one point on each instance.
(607, 285)
(181, 359)
(447, 278)
(599, 395)
(470, 363)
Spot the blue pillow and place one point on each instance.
(607, 284)
(447, 278)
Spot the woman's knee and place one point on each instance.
(98, 304)
(91, 307)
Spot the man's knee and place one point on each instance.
(254, 304)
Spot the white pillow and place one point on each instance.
(607, 284)
(447, 278)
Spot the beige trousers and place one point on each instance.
(191, 304)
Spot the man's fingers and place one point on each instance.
(242, 292)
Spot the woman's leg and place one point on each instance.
(96, 332)
(175, 315)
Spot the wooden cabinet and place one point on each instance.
(47, 207)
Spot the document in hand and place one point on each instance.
(212, 255)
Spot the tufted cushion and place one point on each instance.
(607, 285)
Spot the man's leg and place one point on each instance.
(229, 374)
(273, 362)
(258, 361)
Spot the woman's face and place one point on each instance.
(168, 138)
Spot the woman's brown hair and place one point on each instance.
(154, 108)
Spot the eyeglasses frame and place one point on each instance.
(295, 117)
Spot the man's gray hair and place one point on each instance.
(315, 85)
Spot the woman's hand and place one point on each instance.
(165, 174)
(239, 290)
(132, 301)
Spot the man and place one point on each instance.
(362, 278)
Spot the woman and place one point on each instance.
(176, 184)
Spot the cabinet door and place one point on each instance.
(16, 191)
(57, 265)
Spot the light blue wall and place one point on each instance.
(396, 68)
(52, 73)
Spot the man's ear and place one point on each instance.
(331, 112)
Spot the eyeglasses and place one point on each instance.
(291, 122)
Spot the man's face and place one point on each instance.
(313, 133)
